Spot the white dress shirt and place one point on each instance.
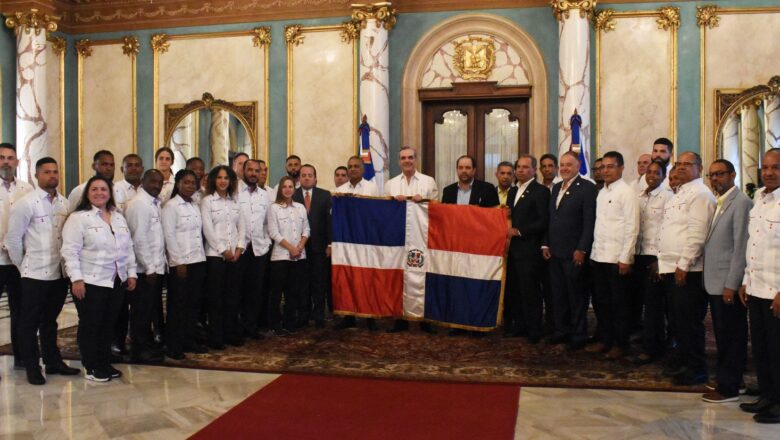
(555, 180)
(564, 190)
(183, 227)
(651, 215)
(125, 191)
(254, 209)
(34, 235)
(8, 196)
(167, 188)
(362, 188)
(287, 223)
(223, 225)
(75, 197)
(520, 191)
(96, 252)
(198, 196)
(762, 274)
(420, 184)
(686, 223)
(144, 217)
(617, 224)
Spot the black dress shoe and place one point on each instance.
(34, 376)
(427, 328)
(756, 406)
(769, 415)
(175, 355)
(371, 324)
(752, 391)
(558, 339)
(575, 346)
(146, 357)
(63, 369)
(113, 372)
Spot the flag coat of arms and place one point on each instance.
(421, 261)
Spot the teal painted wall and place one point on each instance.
(537, 22)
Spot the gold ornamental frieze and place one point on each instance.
(84, 48)
(669, 18)
(562, 8)
(350, 31)
(31, 21)
(381, 12)
(58, 45)
(604, 20)
(475, 57)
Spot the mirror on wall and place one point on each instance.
(211, 129)
(748, 124)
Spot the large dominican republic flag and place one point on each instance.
(424, 261)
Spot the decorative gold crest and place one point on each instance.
(474, 57)
(159, 43)
(130, 46)
(350, 31)
(58, 44)
(669, 18)
(707, 16)
(262, 37)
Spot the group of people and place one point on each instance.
(659, 250)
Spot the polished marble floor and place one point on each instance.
(172, 403)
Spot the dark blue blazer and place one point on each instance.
(573, 220)
(531, 217)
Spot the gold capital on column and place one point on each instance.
(130, 46)
(603, 20)
(561, 8)
(58, 44)
(293, 34)
(262, 36)
(669, 18)
(83, 48)
(159, 43)
(31, 21)
(381, 12)
(707, 16)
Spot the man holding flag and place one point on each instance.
(365, 149)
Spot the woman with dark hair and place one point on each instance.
(288, 227)
(225, 232)
(99, 259)
(163, 161)
(182, 227)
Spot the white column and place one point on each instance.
(750, 139)
(574, 74)
(31, 29)
(730, 143)
(375, 22)
(220, 136)
(772, 122)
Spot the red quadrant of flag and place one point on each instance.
(367, 291)
(466, 229)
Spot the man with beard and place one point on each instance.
(662, 153)
(468, 190)
(11, 190)
(104, 166)
(293, 167)
(597, 169)
(33, 242)
(144, 218)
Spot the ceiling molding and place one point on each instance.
(89, 16)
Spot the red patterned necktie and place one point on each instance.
(307, 201)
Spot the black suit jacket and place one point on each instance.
(530, 216)
(572, 222)
(482, 194)
(319, 219)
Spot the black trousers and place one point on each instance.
(546, 281)
(655, 307)
(314, 290)
(9, 279)
(286, 279)
(730, 324)
(98, 311)
(224, 298)
(688, 306)
(610, 300)
(142, 302)
(570, 299)
(185, 297)
(253, 270)
(122, 325)
(765, 340)
(41, 304)
(525, 302)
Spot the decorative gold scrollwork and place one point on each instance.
(707, 16)
(475, 57)
(382, 12)
(84, 48)
(58, 44)
(130, 46)
(293, 35)
(561, 8)
(262, 36)
(31, 21)
(160, 43)
(350, 31)
(603, 20)
(669, 18)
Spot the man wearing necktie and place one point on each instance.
(317, 202)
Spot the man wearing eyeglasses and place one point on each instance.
(761, 290)
(684, 231)
(724, 267)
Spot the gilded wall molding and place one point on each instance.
(84, 48)
(33, 20)
(58, 45)
(262, 36)
(159, 43)
(293, 35)
(382, 12)
(350, 31)
(603, 20)
(130, 46)
(669, 18)
(562, 8)
(707, 16)
(245, 112)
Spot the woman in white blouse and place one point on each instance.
(99, 259)
(182, 228)
(288, 227)
(223, 227)
(163, 161)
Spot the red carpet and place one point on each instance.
(317, 407)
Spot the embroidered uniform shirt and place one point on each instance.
(287, 223)
(182, 227)
(125, 191)
(762, 274)
(75, 197)
(254, 209)
(223, 225)
(362, 188)
(617, 224)
(10, 192)
(144, 217)
(651, 215)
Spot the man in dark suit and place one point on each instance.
(568, 241)
(468, 190)
(528, 203)
(317, 202)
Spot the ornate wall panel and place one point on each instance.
(232, 66)
(739, 50)
(636, 82)
(107, 107)
(508, 68)
(321, 98)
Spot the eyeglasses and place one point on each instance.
(684, 164)
(598, 168)
(718, 174)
